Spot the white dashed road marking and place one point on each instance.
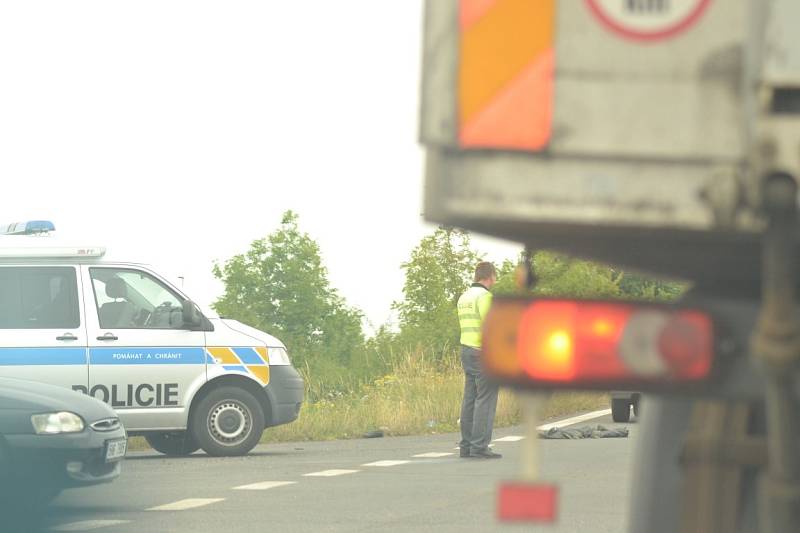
(331, 473)
(432, 455)
(189, 503)
(88, 525)
(510, 438)
(264, 485)
(574, 420)
(386, 463)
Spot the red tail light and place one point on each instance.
(574, 342)
(686, 343)
(533, 502)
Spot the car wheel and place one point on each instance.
(621, 410)
(636, 408)
(227, 421)
(173, 444)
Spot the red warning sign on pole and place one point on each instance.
(648, 20)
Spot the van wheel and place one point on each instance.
(173, 444)
(228, 421)
(621, 410)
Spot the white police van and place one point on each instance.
(123, 334)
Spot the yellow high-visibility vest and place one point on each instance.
(472, 309)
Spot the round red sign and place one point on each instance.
(648, 20)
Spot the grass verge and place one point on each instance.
(417, 398)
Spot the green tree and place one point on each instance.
(640, 287)
(506, 278)
(559, 275)
(281, 286)
(563, 276)
(438, 272)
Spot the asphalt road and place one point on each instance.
(199, 494)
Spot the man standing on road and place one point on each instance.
(480, 396)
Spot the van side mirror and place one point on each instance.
(193, 318)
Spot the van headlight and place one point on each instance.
(54, 423)
(278, 356)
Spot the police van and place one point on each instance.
(121, 333)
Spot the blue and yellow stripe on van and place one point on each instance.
(132, 355)
(118, 355)
(42, 356)
(248, 360)
(251, 360)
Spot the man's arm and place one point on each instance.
(484, 303)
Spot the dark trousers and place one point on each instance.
(479, 404)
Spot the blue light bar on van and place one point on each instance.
(31, 227)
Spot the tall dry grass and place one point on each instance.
(419, 396)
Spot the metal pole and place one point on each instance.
(532, 404)
(776, 347)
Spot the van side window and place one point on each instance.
(132, 299)
(39, 298)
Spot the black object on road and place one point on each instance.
(585, 432)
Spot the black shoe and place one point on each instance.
(464, 452)
(484, 454)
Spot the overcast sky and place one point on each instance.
(176, 133)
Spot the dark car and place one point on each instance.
(52, 438)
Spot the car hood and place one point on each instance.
(32, 396)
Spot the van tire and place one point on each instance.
(227, 421)
(621, 410)
(175, 444)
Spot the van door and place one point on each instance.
(142, 360)
(42, 337)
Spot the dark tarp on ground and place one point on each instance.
(585, 432)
